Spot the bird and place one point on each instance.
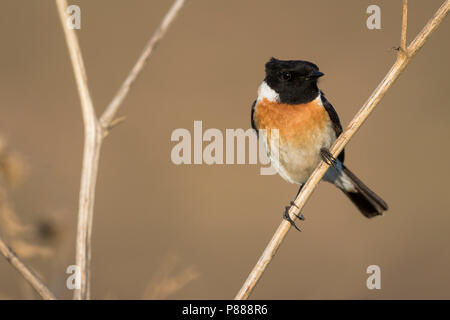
(298, 125)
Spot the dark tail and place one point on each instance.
(365, 199)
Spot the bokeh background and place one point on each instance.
(195, 231)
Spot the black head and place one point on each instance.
(294, 80)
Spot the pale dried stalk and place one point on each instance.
(28, 275)
(94, 132)
(91, 154)
(112, 108)
(403, 59)
(404, 25)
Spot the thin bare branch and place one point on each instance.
(95, 131)
(429, 28)
(28, 275)
(352, 128)
(91, 154)
(404, 26)
(78, 65)
(112, 108)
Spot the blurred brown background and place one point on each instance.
(195, 232)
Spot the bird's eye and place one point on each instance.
(285, 75)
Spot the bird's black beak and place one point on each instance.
(316, 74)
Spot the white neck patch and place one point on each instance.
(318, 99)
(266, 92)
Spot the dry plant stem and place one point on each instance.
(403, 59)
(94, 132)
(29, 275)
(404, 25)
(91, 154)
(112, 108)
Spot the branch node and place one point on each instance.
(401, 53)
(114, 123)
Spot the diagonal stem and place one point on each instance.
(112, 108)
(27, 273)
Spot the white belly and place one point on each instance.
(294, 161)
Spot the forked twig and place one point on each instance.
(403, 58)
(27, 273)
(91, 155)
(95, 131)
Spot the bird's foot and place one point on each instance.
(327, 157)
(287, 217)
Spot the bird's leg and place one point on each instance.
(330, 160)
(327, 157)
(286, 212)
(300, 215)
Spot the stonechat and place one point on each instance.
(290, 101)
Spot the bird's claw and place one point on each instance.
(327, 157)
(287, 217)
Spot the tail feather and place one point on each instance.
(369, 203)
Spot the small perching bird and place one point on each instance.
(290, 101)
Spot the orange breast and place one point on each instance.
(303, 129)
(296, 123)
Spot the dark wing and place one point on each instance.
(253, 120)
(334, 119)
